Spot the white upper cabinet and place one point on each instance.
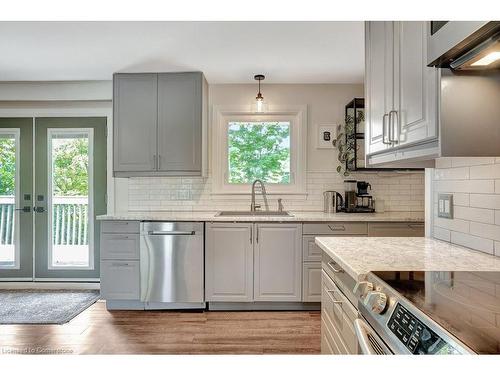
(401, 93)
(416, 85)
(378, 83)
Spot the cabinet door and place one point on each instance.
(415, 89)
(180, 122)
(229, 262)
(134, 122)
(278, 262)
(120, 280)
(311, 282)
(378, 83)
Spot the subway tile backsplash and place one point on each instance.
(475, 185)
(400, 192)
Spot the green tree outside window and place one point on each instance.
(259, 150)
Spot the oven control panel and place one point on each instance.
(415, 335)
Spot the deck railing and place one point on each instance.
(69, 224)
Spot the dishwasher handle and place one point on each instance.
(171, 233)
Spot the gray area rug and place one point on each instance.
(43, 306)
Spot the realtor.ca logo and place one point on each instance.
(36, 350)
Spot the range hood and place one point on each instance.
(464, 45)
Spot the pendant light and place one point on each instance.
(259, 99)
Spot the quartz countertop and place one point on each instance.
(360, 255)
(298, 216)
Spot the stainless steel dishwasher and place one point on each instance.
(171, 259)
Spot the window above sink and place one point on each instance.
(268, 146)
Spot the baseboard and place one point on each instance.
(48, 285)
(264, 306)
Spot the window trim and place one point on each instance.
(296, 115)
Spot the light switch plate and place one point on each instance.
(325, 135)
(445, 206)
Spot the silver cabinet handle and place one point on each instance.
(171, 233)
(330, 264)
(391, 127)
(335, 228)
(251, 233)
(383, 130)
(120, 264)
(257, 234)
(337, 302)
(159, 161)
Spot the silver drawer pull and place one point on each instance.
(332, 292)
(331, 265)
(335, 228)
(171, 233)
(121, 264)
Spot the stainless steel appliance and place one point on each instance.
(464, 45)
(416, 312)
(333, 201)
(171, 263)
(469, 52)
(350, 199)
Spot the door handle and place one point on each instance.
(383, 130)
(391, 127)
(24, 209)
(39, 210)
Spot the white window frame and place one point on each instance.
(62, 131)
(16, 132)
(296, 115)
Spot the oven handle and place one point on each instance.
(363, 333)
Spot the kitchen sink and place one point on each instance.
(255, 213)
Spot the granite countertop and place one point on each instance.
(298, 216)
(360, 255)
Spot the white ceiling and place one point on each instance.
(227, 52)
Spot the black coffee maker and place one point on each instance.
(364, 199)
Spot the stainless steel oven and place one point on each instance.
(414, 312)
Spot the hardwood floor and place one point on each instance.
(98, 331)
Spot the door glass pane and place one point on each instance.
(70, 217)
(9, 145)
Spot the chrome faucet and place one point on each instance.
(253, 206)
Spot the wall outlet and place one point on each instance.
(325, 135)
(181, 195)
(445, 206)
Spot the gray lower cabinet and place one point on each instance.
(120, 269)
(160, 124)
(229, 262)
(120, 279)
(311, 282)
(247, 262)
(277, 262)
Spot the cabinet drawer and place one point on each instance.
(120, 227)
(310, 251)
(344, 281)
(119, 246)
(396, 229)
(120, 279)
(338, 309)
(328, 344)
(335, 228)
(311, 282)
